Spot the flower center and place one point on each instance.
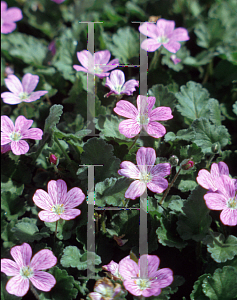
(143, 119)
(97, 70)
(26, 272)
(15, 136)
(58, 209)
(143, 283)
(145, 177)
(23, 96)
(232, 203)
(118, 88)
(162, 39)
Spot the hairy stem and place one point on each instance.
(133, 143)
(33, 290)
(63, 150)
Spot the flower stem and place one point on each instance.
(56, 227)
(133, 143)
(63, 150)
(170, 185)
(154, 60)
(33, 290)
(209, 161)
(43, 142)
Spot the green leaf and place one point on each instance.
(197, 293)
(111, 191)
(191, 151)
(26, 230)
(64, 288)
(207, 134)
(135, 10)
(215, 112)
(104, 156)
(54, 116)
(222, 285)
(193, 101)
(187, 185)
(163, 96)
(76, 258)
(70, 136)
(64, 228)
(194, 222)
(235, 107)
(26, 47)
(125, 44)
(221, 250)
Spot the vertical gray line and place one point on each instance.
(91, 80)
(90, 225)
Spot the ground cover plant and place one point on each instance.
(119, 149)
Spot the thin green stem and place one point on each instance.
(133, 143)
(63, 150)
(43, 142)
(56, 228)
(33, 290)
(170, 185)
(154, 60)
(209, 161)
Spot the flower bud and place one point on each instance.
(173, 160)
(215, 148)
(53, 159)
(188, 165)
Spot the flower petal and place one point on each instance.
(145, 104)
(163, 278)
(5, 139)
(33, 133)
(21, 254)
(215, 201)
(136, 189)
(146, 157)
(206, 180)
(43, 281)
(128, 169)
(18, 286)
(180, 34)
(165, 28)
(19, 147)
(79, 68)
(161, 170)
(153, 262)
(35, 96)
(129, 86)
(161, 113)
(149, 29)
(126, 109)
(84, 56)
(128, 268)
(43, 200)
(70, 214)
(223, 168)
(48, 216)
(73, 198)
(155, 129)
(7, 125)
(7, 27)
(22, 124)
(226, 186)
(111, 65)
(102, 57)
(172, 46)
(10, 98)
(29, 82)
(14, 84)
(117, 78)
(43, 259)
(157, 184)
(13, 14)
(150, 45)
(9, 267)
(132, 287)
(57, 190)
(229, 217)
(129, 128)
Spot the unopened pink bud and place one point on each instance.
(188, 165)
(53, 159)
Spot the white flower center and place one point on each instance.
(58, 209)
(26, 272)
(142, 283)
(162, 39)
(23, 96)
(145, 177)
(143, 119)
(232, 203)
(15, 136)
(97, 70)
(118, 88)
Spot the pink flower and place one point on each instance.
(53, 159)
(118, 86)
(97, 64)
(146, 174)
(113, 268)
(208, 179)
(175, 59)
(163, 33)
(58, 203)
(225, 200)
(15, 135)
(24, 269)
(104, 289)
(143, 117)
(52, 47)
(58, 1)
(5, 148)
(146, 287)
(8, 17)
(22, 92)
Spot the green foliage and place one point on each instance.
(207, 134)
(104, 156)
(221, 249)
(193, 101)
(215, 113)
(197, 293)
(76, 258)
(26, 230)
(222, 285)
(235, 107)
(194, 222)
(54, 116)
(64, 228)
(187, 185)
(163, 96)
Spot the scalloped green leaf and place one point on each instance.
(207, 134)
(53, 118)
(187, 185)
(197, 292)
(222, 285)
(26, 230)
(163, 96)
(104, 156)
(193, 101)
(111, 191)
(191, 151)
(221, 250)
(64, 288)
(215, 112)
(195, 220)
(76, 258)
